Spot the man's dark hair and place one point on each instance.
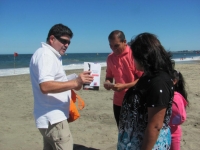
(117, 33)
(59, 30)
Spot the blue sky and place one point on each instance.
(25, 24)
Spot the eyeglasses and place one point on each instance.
(63, 41)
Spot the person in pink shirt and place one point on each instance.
(121, 68)
(178, 110)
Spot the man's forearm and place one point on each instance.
(57, 87)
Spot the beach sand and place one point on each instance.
(96, 128)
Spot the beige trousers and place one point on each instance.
(57, 136)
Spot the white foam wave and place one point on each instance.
(12, 71)
(186, 59)
(19, 71)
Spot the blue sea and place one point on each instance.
(19, 65)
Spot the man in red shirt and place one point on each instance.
(121, 68)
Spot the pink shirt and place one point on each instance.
(122, 69)
(178, 114)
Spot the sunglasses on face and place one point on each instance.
(63, 41)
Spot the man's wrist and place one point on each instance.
(76, 83)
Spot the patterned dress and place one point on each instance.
(148, 92)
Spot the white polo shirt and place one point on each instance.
(46, 65)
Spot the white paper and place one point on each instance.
(72, 76)
(95, 69)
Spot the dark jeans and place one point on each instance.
(116, 110)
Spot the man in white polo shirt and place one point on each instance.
(52, 90)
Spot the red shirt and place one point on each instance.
(122, 69)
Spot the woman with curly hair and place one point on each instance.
(146, 108)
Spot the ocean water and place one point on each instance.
(10, 65)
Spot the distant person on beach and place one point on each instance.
(121, 68)
(146, 108)
(179, 104)
(52, 90)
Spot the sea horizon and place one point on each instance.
(10, 65)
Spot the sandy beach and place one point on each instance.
(96, 128)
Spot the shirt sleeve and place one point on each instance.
(159, 94)
(46, 67)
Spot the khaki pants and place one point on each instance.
(57, 137)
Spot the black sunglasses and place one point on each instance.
(63, 41)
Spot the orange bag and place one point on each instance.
(73, 111)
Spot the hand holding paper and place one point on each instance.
(85, 77)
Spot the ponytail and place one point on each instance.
(180, 84)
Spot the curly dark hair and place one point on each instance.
(150, 54)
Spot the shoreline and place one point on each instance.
(23, 71)
(96, 128)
